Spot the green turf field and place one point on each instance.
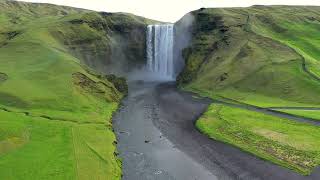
(285, 142)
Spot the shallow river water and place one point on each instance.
(145, 152)
(157, 140)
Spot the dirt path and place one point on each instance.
(272, 110)
(178, 112)
(296, 108)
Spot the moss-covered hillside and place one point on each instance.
(263, 56)
(97, 39)
(55, 101)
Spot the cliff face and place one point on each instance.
(113, 43)
(183, 36)
(106, 42)
(54, 88)
(263, 50)
(265, 56)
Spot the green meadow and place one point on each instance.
(37, 148)
(285, 142)
(56, 105)
(55, 112)
(266, 56)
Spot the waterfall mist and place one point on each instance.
(164, 46)
(182, 39)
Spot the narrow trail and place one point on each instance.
(157, 139)
(296, 108)
(304, 61)
(178, 113)
(272, 110)
(46, 117)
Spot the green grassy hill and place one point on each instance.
(267, 56)
(55, 111)
(56, 100)
(253, 55)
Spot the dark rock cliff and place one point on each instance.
(106, 42)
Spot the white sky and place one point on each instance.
(167, 10)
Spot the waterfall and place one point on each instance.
(160, 50)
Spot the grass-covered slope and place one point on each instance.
(267, 56)
(55, 114)
(313, 114)
(98, 39)
(245, 54)
(296, 27)
(291, 144)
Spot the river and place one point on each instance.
(157, 140)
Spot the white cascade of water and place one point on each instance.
(160, 50)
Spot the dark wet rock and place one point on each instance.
(269, 20)
(223, 77)
(106, 13)
(104, 50)
(76, 21)
(46, 117)
(207, 22)
(120, 83)
(99, 89)
(189, 72)
(11, 34)
(12, 101)
(3, 77)
(5, 37)
(124, 132)
(259, 6)
(224, 29)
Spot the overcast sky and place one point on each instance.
(167, 10)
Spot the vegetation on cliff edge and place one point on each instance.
(55, 115)
(267, 56)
